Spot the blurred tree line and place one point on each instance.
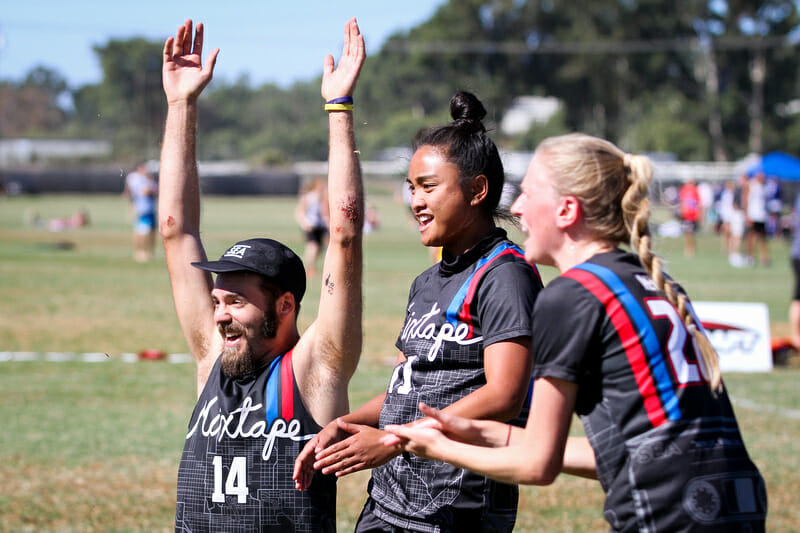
(704, 79)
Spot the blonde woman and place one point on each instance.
(615, 341)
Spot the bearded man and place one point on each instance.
(263, 388)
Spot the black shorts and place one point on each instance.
(796, 268)
(369, 523)
(759, 228)
(317, 235)
(464, 520)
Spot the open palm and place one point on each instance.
(183, 73)
(342, 80)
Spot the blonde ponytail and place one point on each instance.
(613, 189)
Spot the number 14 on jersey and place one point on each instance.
(235, 481)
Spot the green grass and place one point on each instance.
(95, 446)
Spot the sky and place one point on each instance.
(271, 41)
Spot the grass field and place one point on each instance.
(95, 446)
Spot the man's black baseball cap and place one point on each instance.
(271, 259)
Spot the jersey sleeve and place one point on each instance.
(505, 307)
(566, 323)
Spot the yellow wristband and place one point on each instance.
(338, 107)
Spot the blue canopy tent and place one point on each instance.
(781, 165)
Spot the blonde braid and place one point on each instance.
(653, 265)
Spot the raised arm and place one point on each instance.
(184, 77)
(328, 353)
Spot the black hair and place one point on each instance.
(269, 288)
(468, 147)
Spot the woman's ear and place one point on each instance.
(568, 211)
(479, 189)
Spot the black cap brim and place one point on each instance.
(222, 266)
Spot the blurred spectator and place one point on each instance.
(691, 214)
(724, 208)
(670, 197)
(706, 192)
(772, 190)
(141, 188)
(794, 308)
(312, 215)
(372, 221)
(738, 224)
(79, 220)
(756, 213)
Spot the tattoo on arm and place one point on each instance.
(329, 284)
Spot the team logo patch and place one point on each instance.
(237, 251)
(724, 497)
(702, 501)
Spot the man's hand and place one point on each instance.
(362, 450)
(342, 80)
(423, 440)
(304, 463)
(184, 76)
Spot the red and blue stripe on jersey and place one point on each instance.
(279, 392)
(459, 308)
(638, 337)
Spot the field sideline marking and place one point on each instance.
(96, 357)
(771, 408)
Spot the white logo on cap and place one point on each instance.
(237, 251)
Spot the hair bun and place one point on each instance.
(466, 109)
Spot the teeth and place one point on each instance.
(424, 218)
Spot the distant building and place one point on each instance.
(515, 164)
(28, 151)
(526, 111)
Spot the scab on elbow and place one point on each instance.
(167, 226)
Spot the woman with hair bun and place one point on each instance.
(616, 341)
(464, 346)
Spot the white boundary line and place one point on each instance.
(750, 405)
(177, 358)
(94, 357)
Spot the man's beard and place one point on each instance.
(236, 364)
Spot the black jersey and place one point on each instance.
(236, 469)
(455, 309)
(669, 453)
